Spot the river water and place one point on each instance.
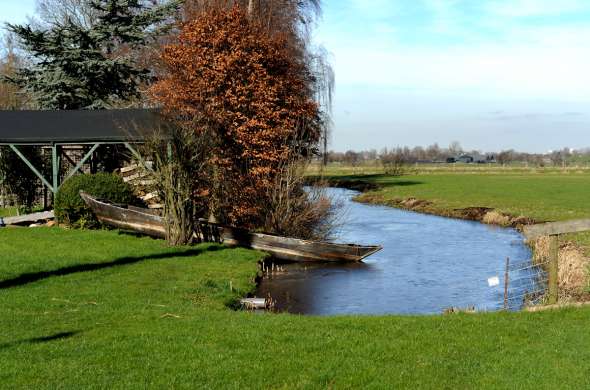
(427, 264)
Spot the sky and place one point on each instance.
(491, 74)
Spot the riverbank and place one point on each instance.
(497, 198)
(94, 309)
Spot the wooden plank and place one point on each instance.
(130, 168)
(135, 176)
(554, 228)
(30, 218)
(150, 196)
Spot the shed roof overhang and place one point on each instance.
(78, 126)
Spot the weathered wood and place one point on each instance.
(129, 168)
(135, 176)
(149, 196)
(29, 218)
(142, 210)
(552, 228)
(283, 248)
(126, 219)
(553, 271)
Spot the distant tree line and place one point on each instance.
(396, 157)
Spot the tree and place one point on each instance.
(505, 157)
(227, 75)
(10, 62)
(56, 12)
(455, 149)
(292, 20)
(90, 67)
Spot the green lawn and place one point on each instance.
(84, 309)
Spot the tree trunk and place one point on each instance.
(250, 8)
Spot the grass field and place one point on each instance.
(83, 309)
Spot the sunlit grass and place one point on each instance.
(83, 309)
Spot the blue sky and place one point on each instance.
(491, 74)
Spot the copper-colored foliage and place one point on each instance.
(227, 74)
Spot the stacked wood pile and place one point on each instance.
(142, 185)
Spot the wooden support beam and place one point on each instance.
(55, 160)
(82, 162)
(553, 228)
(137, 156)
(553, 270)
(31, 167)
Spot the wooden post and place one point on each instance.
(553, 266)
(55, 169)
(506, 283)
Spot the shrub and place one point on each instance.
(17, 179)
(71, 210)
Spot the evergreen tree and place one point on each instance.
(78, 67)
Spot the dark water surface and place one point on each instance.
(427, 264)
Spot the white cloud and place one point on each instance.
(492, 71)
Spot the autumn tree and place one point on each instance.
(228, 76)
(293, 20)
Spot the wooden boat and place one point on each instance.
(126, 217)
(283, 248)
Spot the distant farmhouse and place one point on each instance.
(475, 158)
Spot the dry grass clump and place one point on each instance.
(496, 218)
(573, 265)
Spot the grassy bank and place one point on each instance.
(102, 310)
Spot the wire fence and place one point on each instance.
(521, 284)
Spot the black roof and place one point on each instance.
(77, 126)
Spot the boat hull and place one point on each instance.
(281, 248)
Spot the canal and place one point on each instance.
(428, 263)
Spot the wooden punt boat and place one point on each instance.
(283, 248)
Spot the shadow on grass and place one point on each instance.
(32, 277)
(404, 183)
(40, 340)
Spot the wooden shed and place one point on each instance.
(87, 128)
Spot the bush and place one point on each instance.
(71, 210)
(17, 179)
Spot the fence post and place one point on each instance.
(506, 282)
(553, 269)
